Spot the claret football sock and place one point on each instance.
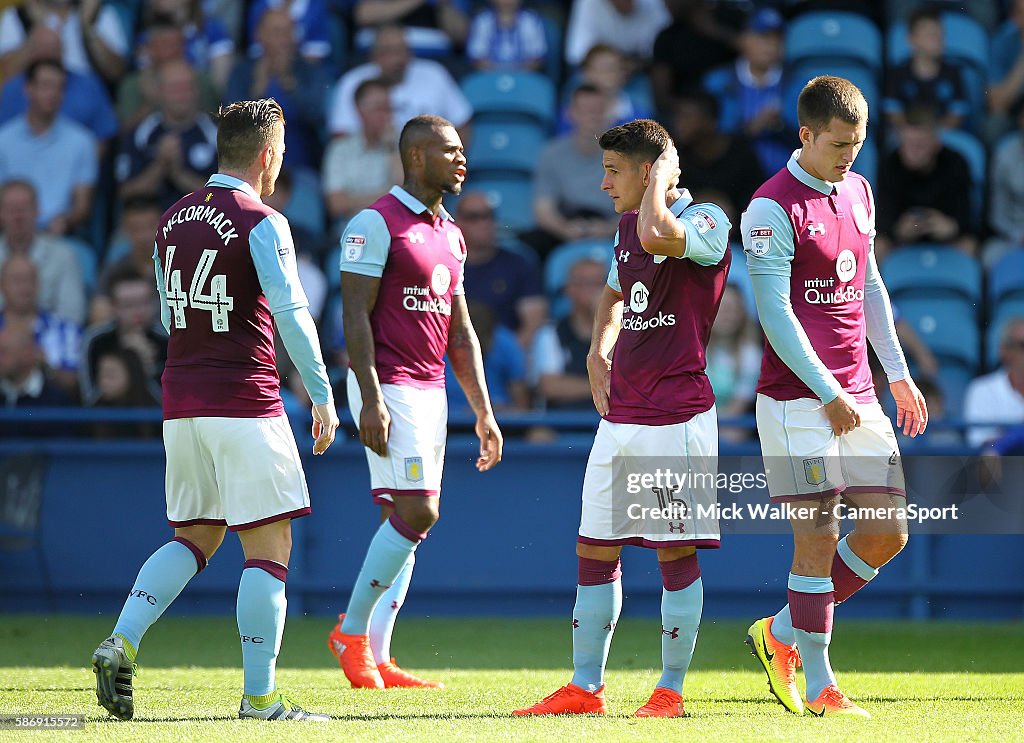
(161, 579)
(598, 603)
(682, 601)
(382, 620)
(811, 602)
(849, 575)
(260, 613)
(385, 559)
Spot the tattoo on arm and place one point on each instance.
(466, 358)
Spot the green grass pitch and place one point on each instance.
(937, 681)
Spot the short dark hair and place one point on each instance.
(642, 140)
(368, 85)
(244, 128)
(827, 97)
(414, 130)
(32, 71)
(923, 13)
(123, 275)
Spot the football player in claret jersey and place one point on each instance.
(226, 274)
(404, 308)
(809, 240)
(669, 268)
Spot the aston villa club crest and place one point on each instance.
(814, 470)
(414, 469)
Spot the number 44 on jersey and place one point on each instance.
(217, 302)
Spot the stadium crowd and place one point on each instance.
(106, 118)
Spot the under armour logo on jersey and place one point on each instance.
(415, 237)
(673, 633)
(623, 255)
(816, 229)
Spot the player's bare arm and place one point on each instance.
(359, 295)
(607, 321)
(468, 365)
(657, 227)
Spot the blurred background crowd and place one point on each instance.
(107, 117)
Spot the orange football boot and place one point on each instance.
(569, 700)
(356, 659)
(663, 703)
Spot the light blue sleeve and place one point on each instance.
(365, 244)
(161, 289)
(298, 333)
(787, 336)
(613, 272)
(768, 238)
(881, 329)
(273, 255)
(707, 233)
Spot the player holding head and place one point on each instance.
(809, 237)
(404, 307)
(225, 271)
(670, 262)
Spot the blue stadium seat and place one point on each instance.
(973, 152)
(799, 73)
(553, 34)
(833, 36)
(1002, 314)
(932, 271)
(953, 381)
(528, 95)
(505, 146)
(1006, 279)
(556, 268)
(512, 198)
(947, 327)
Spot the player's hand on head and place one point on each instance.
(666, 168)
(842, 414)
(911, 408)
(374, 427)
(491, 442)
(325, 426)
(599, 369)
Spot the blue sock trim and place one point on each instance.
(853, 562)
(810, 584)
(782, 627)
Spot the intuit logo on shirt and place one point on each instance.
(418, 299)
(824, 291)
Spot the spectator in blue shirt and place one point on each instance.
(85, 100)
(208, 45)
(298, 84)
(750, 91)
(506, 36)
(50, 151)
(311, 26)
